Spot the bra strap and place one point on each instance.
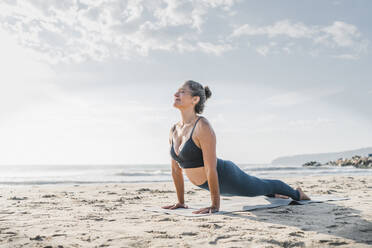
(192, 131)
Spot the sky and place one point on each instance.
(92, 81)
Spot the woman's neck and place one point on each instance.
(188, 116)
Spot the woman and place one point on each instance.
(193, 150)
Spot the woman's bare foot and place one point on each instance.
(303, 196)
(281, 196)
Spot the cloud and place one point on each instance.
(77, 31)
(292, 98)
(265, 49)
(338, 35)
(215, 49)
(133, 11)
(282, 126)
(310, 123)
(347, 56)
(285, 27)
(24, 81)
(286, 99)
(65, 31)
(342, 34)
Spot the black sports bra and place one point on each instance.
(190, 156)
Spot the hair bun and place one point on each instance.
(208, 92)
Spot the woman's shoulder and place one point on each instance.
(203, 120)
(203, 124)
(204, 130)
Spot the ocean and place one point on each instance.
(84, 174)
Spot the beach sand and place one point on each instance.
(111, 215)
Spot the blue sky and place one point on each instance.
(92, 82)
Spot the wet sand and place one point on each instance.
(111, 215)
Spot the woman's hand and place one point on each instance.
(208, 210)
(175, 206)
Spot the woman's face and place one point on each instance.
(183, 97)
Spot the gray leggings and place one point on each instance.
(235, 182)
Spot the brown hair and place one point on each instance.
(198, 90)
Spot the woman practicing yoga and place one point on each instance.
(193, 149)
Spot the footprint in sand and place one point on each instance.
(286, 243)
(297, 234)
(49, 196)
(333, 242)
(143, 190)
(189, 234)
(158, 232)
(278, 227)
(6, 212)
(15, 198)
(213, 242)
(38, 238)
(168, 219)
(59, 234)
(331, 226)
(210, 226)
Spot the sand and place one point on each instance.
(111, 215)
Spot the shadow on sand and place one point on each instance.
(331, 219)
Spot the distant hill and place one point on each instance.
(320, 157)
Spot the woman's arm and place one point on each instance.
(177, 176)
(207, 140)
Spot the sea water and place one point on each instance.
(83, 174)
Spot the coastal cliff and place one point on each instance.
(320, 157)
